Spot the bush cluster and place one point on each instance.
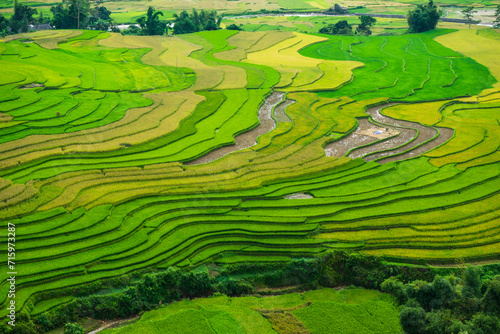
(448, 304)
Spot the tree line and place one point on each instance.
(183, 23)
(420, 19)
(433, 300)
(344, 28)
(78, 14)
(73, 14)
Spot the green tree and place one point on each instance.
(457, 327)
(336, 9)
(423, 18)
(444, 293)
(491, 298)
(75, 328)
(61, 18)
(103, 13)
(435, 323)
(484, 324)
(412, 318)
(4, 25)
(366, 23)
(471, 283)
(151, 24)
(42, 19)
(82, 10)
(185, 23)
(100, 18)
(496, 23)
(132, 30)
(339, 28)
(22, 18)
(73, 15)
(396, 288)
(468, 14)
(233, 27)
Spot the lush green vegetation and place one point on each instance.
(129, 294)
(448, 304)
(364, 310)
(407, 67)
(98, 132)
(316, 310)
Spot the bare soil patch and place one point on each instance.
(33, 85)
(298, 196)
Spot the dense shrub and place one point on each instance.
(423, 18)
(339, 28)
(233, 27)
(448, 304)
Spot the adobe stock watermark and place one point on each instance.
(11, 265)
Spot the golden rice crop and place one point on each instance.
(269, 39)
(443, 254)
(481, 230)
(102, 190)
(11, 191)
(138, 125)
(234, 77)
(266, 139)
(52, 41)
(284, 57)
(465, 137)
(485, 147)
(242, 41)
(28, 192)
(482, 160)
(171, 110)
(479, 47)
(424, 113)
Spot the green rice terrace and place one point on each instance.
(317, 311)
(121, 153)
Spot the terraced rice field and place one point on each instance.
(351, 311)
(118, 153)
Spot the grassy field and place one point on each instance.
(317, 311)
(97, 132)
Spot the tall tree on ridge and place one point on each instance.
(468, 14)
(423, 18)
(82, 10)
